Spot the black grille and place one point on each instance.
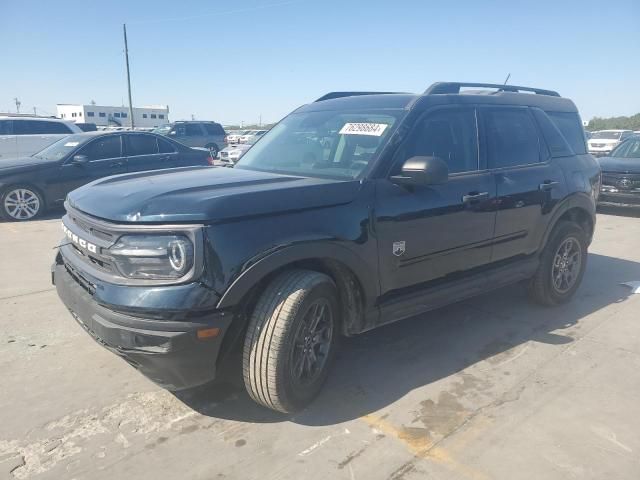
(95, 234)
(622, 181)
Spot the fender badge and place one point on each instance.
(398, 248)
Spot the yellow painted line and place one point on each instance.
(421, 445)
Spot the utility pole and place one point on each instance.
(35, 113)
(126, 56)
(18, 103)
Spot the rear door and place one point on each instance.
(143, 153)
(34, 135)
(529, 184)
(8, 141)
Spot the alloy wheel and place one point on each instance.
(21, 204)
(567, 263)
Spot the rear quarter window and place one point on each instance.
(570, 126)
(5, 127)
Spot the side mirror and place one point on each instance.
(422, 171)
(80, 159)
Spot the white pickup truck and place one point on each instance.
(24, 136)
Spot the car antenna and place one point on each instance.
(507, 79)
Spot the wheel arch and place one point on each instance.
(355, 281)
(579, 208)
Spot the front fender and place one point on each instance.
(299, 252)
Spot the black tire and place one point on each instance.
(213, 150)
(33, 201)
(543, 287)
(274, 346)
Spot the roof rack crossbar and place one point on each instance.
(454, 88)
(332, 95)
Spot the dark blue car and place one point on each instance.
(30, 185)
(621, 175)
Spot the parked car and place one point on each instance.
(234, 137)
(298, 245)
(232, 153)
(251, 136)
(30, 185)
(209, 135)
(604, 141)
(87, 127)
(621, 175)
(24, 136)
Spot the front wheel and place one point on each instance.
(291, 340)
(21, 203)
(562, 265)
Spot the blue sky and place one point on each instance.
(235, 61)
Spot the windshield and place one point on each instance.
(61, 148)
(628, 149)
(323, 144)
(606, 135)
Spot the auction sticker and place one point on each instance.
(373, 129)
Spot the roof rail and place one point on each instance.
(332, 95)
(454, 87)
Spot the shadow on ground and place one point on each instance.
(377, 368)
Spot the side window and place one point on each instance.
(210, 128)
(165, 147)
(5, 127)
(141, 145)
(512, 138)
(25, 127)
(450, 134)
(193, 130)
(53, 127)
(571, 128)
(105, 147)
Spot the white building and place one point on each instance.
(143, 117)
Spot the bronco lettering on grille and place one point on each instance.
(81, 242)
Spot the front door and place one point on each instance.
(428, 233)
(105, 158)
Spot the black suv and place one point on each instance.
(357, 210)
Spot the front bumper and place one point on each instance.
(168, 352)
(619, 199)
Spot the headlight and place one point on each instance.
(153, 257)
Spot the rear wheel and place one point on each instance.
(21, 203)
(562, 265)
(291, 340)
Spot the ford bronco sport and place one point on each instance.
(355, 211)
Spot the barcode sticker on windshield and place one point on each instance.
(373, 129)
(71, 144)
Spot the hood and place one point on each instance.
(619, 165)
(605, 141)
(205, 194)
(20, 164)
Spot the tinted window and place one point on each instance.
(90, 114)
(165, 147)
(449, 134)
(512, 138)
(117, 115)
(5, 127)
(102, 114)
(35, 127)
(161, 116)
(554, 139)
(105, 147)
(214, 129)
(193, 130)
(571, 128)
(141, 145)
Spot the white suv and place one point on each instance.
(24, 136)
(602, 142)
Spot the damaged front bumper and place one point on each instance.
(170, 351)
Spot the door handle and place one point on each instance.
(116, 164)
(547, 185)
(474, 197)
(166, 158)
